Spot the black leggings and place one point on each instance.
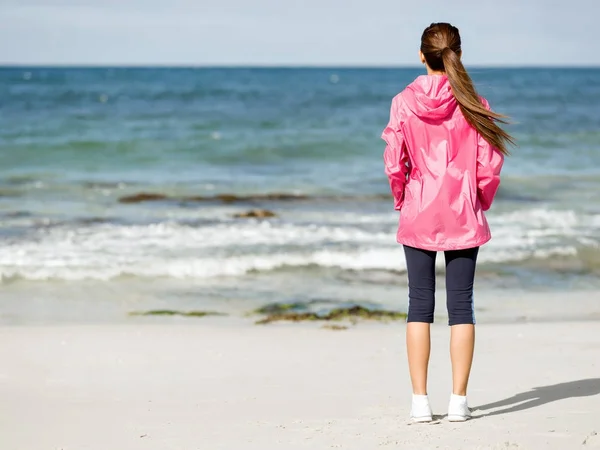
(460, 273)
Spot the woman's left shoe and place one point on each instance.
(458, 409)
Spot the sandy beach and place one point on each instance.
(217, 384)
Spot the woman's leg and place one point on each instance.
(421, 304)
(460, 275)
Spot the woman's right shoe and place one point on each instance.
(420, 411)
(458, 409)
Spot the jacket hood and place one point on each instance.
(430, 97)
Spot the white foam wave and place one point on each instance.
(173, 250)
(103, 251)
(184, 268)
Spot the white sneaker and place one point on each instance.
(420, 411)
(458, 409)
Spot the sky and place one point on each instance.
(293, 32)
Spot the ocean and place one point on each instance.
(119, 189)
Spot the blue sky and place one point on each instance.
(292, 32)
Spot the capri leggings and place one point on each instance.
(460, 274)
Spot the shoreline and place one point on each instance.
(241, 323)
(156, 386)
(108, 303)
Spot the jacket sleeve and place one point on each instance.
(489, 165)
(395, 156)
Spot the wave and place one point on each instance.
(201, 268)
(389, 260)
(552, 240)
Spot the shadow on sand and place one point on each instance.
(542, 395)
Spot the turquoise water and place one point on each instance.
(75, 141)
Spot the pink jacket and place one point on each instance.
(442, 173)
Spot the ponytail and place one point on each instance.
(441, 46)
(480, 118)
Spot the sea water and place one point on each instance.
(303, 144)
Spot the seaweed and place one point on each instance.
(297, 312)
(255, 213)
(222, 198)
(280, 308)
(142, 197)
(290, 317)
(170, 312)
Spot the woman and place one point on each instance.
(443, 159)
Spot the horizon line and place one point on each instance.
(278, 66)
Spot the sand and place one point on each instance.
(209, 384)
